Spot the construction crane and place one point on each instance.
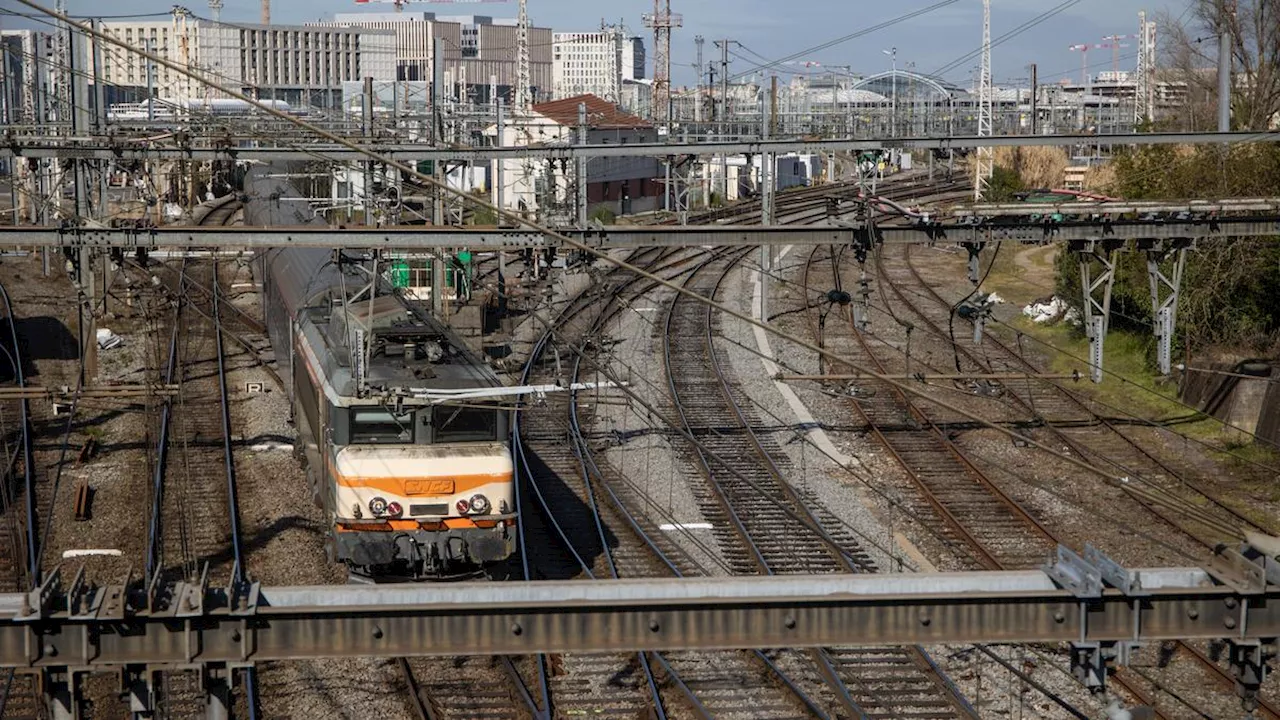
(401, 3)
(1114, 42)
(1084, 62)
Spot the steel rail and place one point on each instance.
(573, 309)
(927, 423)
(985, 558)
(162, 444)
(988, 559)
(1223, 677)
(535, 356)
(154, 536)
(787, 681)
(589, 467)
(28, 453)
(1074, 400)
(241, 576)
(821, 656)
(580, 450)
(946, 686)
(421, 708)
(27, 576)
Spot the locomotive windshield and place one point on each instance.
(456, 424)
(375, 426)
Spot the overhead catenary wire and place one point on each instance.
(1001, 39)
(837, 41)
(520, 221)
(1126, 412)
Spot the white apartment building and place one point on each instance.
(304, 66)
(598, 63)
(479, 51)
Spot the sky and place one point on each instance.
(776, 29)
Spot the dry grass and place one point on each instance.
(1100, 178)
(1039, 167)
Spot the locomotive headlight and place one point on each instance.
(463, 507)
(378, 506)
(480, 505)
(394, 509)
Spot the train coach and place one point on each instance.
(412, 486)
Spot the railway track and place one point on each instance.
(20, 697)
(768, 527)
(1068, 419)
(196, 526)
(552, 460)
(977, 519)
(970, 513)
(604, 521)
(1066, 415)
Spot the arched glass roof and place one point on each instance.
(909, 86)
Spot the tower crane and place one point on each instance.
(1114, 42)
(401, 3)
(1084, 61)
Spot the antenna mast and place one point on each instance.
(523, 99)
(985, 163)
(662, 21)
(1144, 92)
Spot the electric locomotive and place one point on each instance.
(414, 484)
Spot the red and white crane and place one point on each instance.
(1114, 41)
(1084, 57)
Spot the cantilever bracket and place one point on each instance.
(975, 261)
(1072, 572)
(1119, 577)
(1246, 570)
(1097, 294)
(40, 602)
(1084, 577)
(1250, 663)
(1089, 665)
(1165, 290)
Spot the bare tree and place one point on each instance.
(1191, 50)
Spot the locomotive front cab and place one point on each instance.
(422, 491)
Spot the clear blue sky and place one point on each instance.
(778, 28)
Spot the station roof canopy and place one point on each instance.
(923, 86)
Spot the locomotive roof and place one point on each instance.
(406, 351)
(409, 349)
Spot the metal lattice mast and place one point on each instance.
(985, 162)
(523, 97)
(662, 21)
(613, 89)
(62, 60)
(1144, 92)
